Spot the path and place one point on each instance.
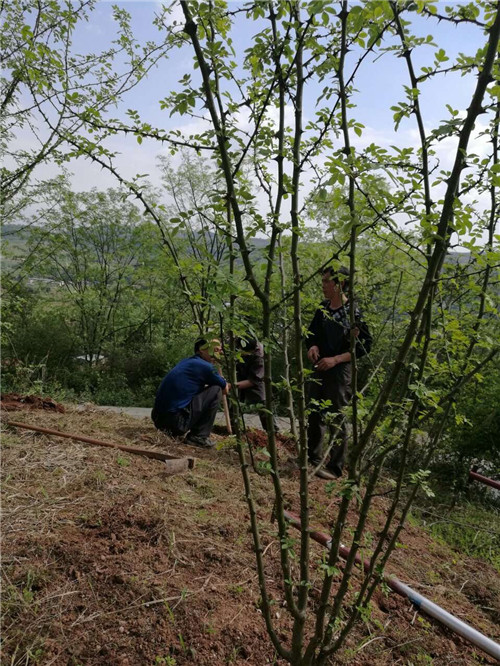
(251, 420)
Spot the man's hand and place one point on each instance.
(313, 354)
(327, 363)
(226, 390)
(244, 384)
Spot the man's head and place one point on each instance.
(335, 281)
(209, 350)
(248, 344)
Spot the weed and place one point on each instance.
(34, 655)
(202, 515)
(350, 653)
(236, 590)
(423, 623)
(433, 576)
(184, 647)
(99, 477)
(33, 582)
(206, 492)
(234, 654)
(457, 529)
(122, 461)
(165, 661)
(28, 595)
(90, 521)
(412, 520)
(226, 443)
(170, 613)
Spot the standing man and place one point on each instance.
(328, 344)
(190, 394)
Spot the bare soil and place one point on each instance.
(106, 560)
(11, 402)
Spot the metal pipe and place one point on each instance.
(474, 476)
(422, 603)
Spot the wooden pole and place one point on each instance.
(174, 463)
(226, 414)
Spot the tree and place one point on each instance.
(197, 233)
(91, 248)
(49, 92)
(285, 56)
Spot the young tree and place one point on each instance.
(298, 45)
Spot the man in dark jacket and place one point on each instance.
(189, 396)
(328, 344)
(250, 375)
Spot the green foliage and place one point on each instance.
(122, 461)
(473, 435)
(470, 529)
(42, 69)
(167, 660)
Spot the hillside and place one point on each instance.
(109, 561)
(17, 237)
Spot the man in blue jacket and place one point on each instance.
(189, 396)
(328, 345)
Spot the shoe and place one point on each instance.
(335, 469)
(321, 472)
(325, 474)
(201, 442)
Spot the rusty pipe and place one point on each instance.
(422, 603)
(474, 476)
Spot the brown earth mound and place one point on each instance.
(106, 560)
(258, 438)
(13, 402)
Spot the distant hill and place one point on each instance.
(16, 237)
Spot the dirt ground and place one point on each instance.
(107, 560)
(13, 402)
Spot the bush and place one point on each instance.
(474, 435)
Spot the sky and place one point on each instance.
(379, 86)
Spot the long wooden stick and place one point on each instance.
(174, 463)
(226, 415)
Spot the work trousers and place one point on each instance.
(335, 386)
(197, 418)
(250, 397)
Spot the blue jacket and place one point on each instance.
(183, 382)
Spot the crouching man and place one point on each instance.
(250, 376)
(189, 396)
